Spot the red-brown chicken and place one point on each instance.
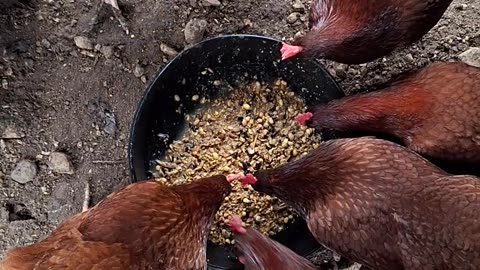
(261, 253)
(381, 204)
(435, 112)
(354, 32)
(142, 226)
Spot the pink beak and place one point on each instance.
(289, 50)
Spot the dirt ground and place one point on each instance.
(57, 97)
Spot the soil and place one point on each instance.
(57, 97)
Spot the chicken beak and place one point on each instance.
(233, 177)
(289, 51)
(303, 118)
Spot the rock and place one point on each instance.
(24, 171)
(471, 57)
(168, 50)
(461, 7)
(107, 51)
(138, 70)
(292, 18)
(59, 163)
(211, 3)
(194, 30)
(83, 43)
(193, 3)
(12, 133)
(299, 6)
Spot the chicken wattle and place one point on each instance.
(382, 205)
(142, 226)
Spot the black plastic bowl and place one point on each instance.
(235, 59)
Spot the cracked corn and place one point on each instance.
(250, 129)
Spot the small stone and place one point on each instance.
(461, 7)
(45, 43)
(409, 57)
(24, 171)
(168, 50)
(471, 57)
(193, 3)
(292, 18)
(246, 106)
(298, 6)
(213, 3)
(194, 30)
(107, 51)
(60, 163)
(138, 71)
(12, 133)
(83, 43)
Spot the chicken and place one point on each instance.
(116, 12)
(261, 253)
(380, 204)
(435, 112)
(354, 32)
(145, 225)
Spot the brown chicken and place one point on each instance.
(435, 112)
(261, 253)
(381, 204)
(354, 32)
(142, 226)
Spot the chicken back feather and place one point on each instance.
(360, 31)
(143, 226)
(382, 205)
(435, 111)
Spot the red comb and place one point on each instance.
(235, 225)
(248, 179)
(242, 259)
(303, 118)
(289, 50)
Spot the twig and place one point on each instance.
(86, 200)
(107, 161)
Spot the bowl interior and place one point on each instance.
(235, 60)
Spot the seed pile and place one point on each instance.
(250, 129)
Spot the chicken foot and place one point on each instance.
(116, 12)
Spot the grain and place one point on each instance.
(250, 129)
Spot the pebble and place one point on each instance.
(292, 18)
(83, 43)
(11, 133)
(471, 57)
(194, 30)
(60, 163)
(24, 171)
(298, 6)
(107, 51)
(138, 70)
(168, 50)
(208, 3)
